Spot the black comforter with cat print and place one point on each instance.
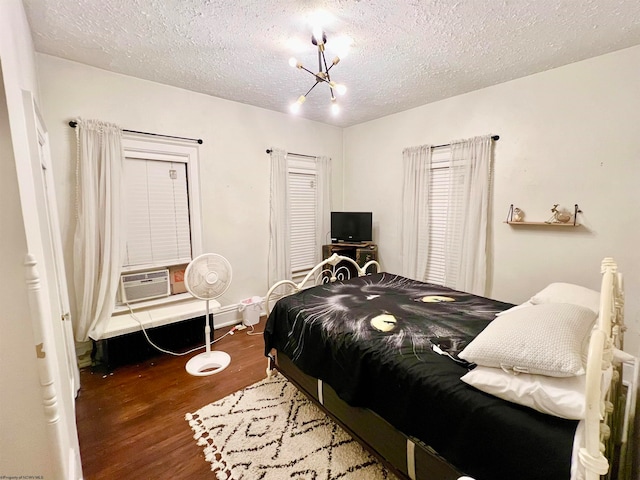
(390, 344)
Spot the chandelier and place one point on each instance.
(319, 39)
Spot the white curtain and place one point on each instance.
(415, 214)
(323, 204)
(279, 260)
(99, 237)
(466, 237)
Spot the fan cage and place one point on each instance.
(208, 276)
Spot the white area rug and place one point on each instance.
(271, 431)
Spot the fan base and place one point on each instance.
(208, 363)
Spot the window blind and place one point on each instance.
(302, 220)
(438, 202)
(157, 203)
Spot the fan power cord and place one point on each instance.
(253, 332)
(175, 354)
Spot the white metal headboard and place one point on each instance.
(328, 271)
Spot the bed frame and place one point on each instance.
(608, 424)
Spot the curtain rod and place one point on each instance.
(494, 138)
(296, 154)
(74, 124)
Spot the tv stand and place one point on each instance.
(360, 252)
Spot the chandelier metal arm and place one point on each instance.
(314, 86)
(318, 79)
(326, 70)
(306, 70)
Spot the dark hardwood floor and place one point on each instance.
(131, 421)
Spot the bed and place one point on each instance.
(384, 356)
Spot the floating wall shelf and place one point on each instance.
(550, 223)
(545, 224)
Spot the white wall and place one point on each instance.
(568, 135)
(234, 166)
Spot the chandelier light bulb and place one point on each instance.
(335, 108)
(295, 106)
(293, 62)
(341, 89)
(317, 35)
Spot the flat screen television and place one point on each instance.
(351, 227)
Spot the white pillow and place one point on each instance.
(542, 339)
(568, 293)
(562, 397)
(517, 307)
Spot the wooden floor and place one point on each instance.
(131, 422)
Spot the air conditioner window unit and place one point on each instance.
(135, 287)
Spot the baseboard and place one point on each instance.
(227, 316)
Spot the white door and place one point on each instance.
(59, 294)
(58, 261)
(59, 373)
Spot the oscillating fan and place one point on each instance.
(207, 277)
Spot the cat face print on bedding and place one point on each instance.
(395, 312)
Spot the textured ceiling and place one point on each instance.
(403, 54)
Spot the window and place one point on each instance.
(438, 211)
(445, 213)
(299, 214)
(162, 203)
(302, 184)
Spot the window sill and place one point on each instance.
(155, 314)
(156, 302)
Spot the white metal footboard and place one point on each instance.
(600, 417)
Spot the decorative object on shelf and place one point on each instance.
(518, 215)
(560, 217)
(319, 38)
(515, 214)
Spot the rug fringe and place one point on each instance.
(223, 475)
(220, 469)
(195, 426)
